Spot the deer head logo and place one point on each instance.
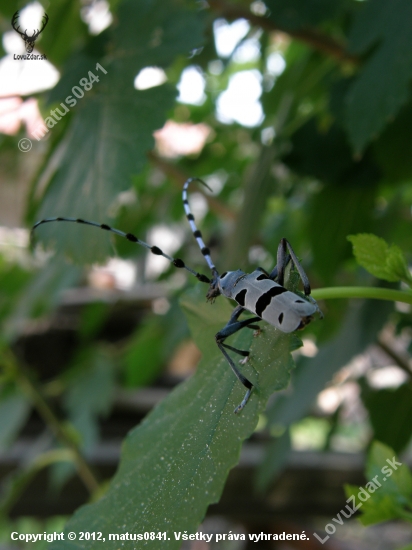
(29, 40)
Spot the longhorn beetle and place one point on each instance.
(261, 293)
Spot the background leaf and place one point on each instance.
(105, 159)
(312, 374)
(393, 494)
(294, 14)
(312, 147)
(389, 410)
(381, 260)
(14, 410)
(89, 393)
(382, 87)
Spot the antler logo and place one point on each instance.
(29, 40)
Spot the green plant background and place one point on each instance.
(336, 164)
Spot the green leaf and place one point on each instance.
(175, 463)
(152, 344)
(112, 127)
(41, 294)
(344, 203)
(295, 14)
(64, 30)
(143, 356)
(90, 392)
(104, 162)
(381, 260)
(276, 456)
(388, 491)
(13, 279)
(389, 412)
(397, 265)
(382, 510)
(382, 86)
(391, 149)
(340, 210)
(322, 153)
(14, 410)
(358, 329)
(325, 153)
(8, 8)
(304, 81)
(400, 479)
(154, 32)
(76, 67)
(93, 318)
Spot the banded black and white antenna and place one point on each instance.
(177, 262)
(191, 219)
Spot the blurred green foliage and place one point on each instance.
(328, 158)
(389, 494)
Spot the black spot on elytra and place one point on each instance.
(266, 298)
(240, 297)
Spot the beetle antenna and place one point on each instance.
(196, 232)
(130, 237)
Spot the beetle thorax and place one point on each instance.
(228, 282)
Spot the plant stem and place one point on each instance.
(402, 362)
(34, 395)
(17, 482)
(362, 292)
(312, 37)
